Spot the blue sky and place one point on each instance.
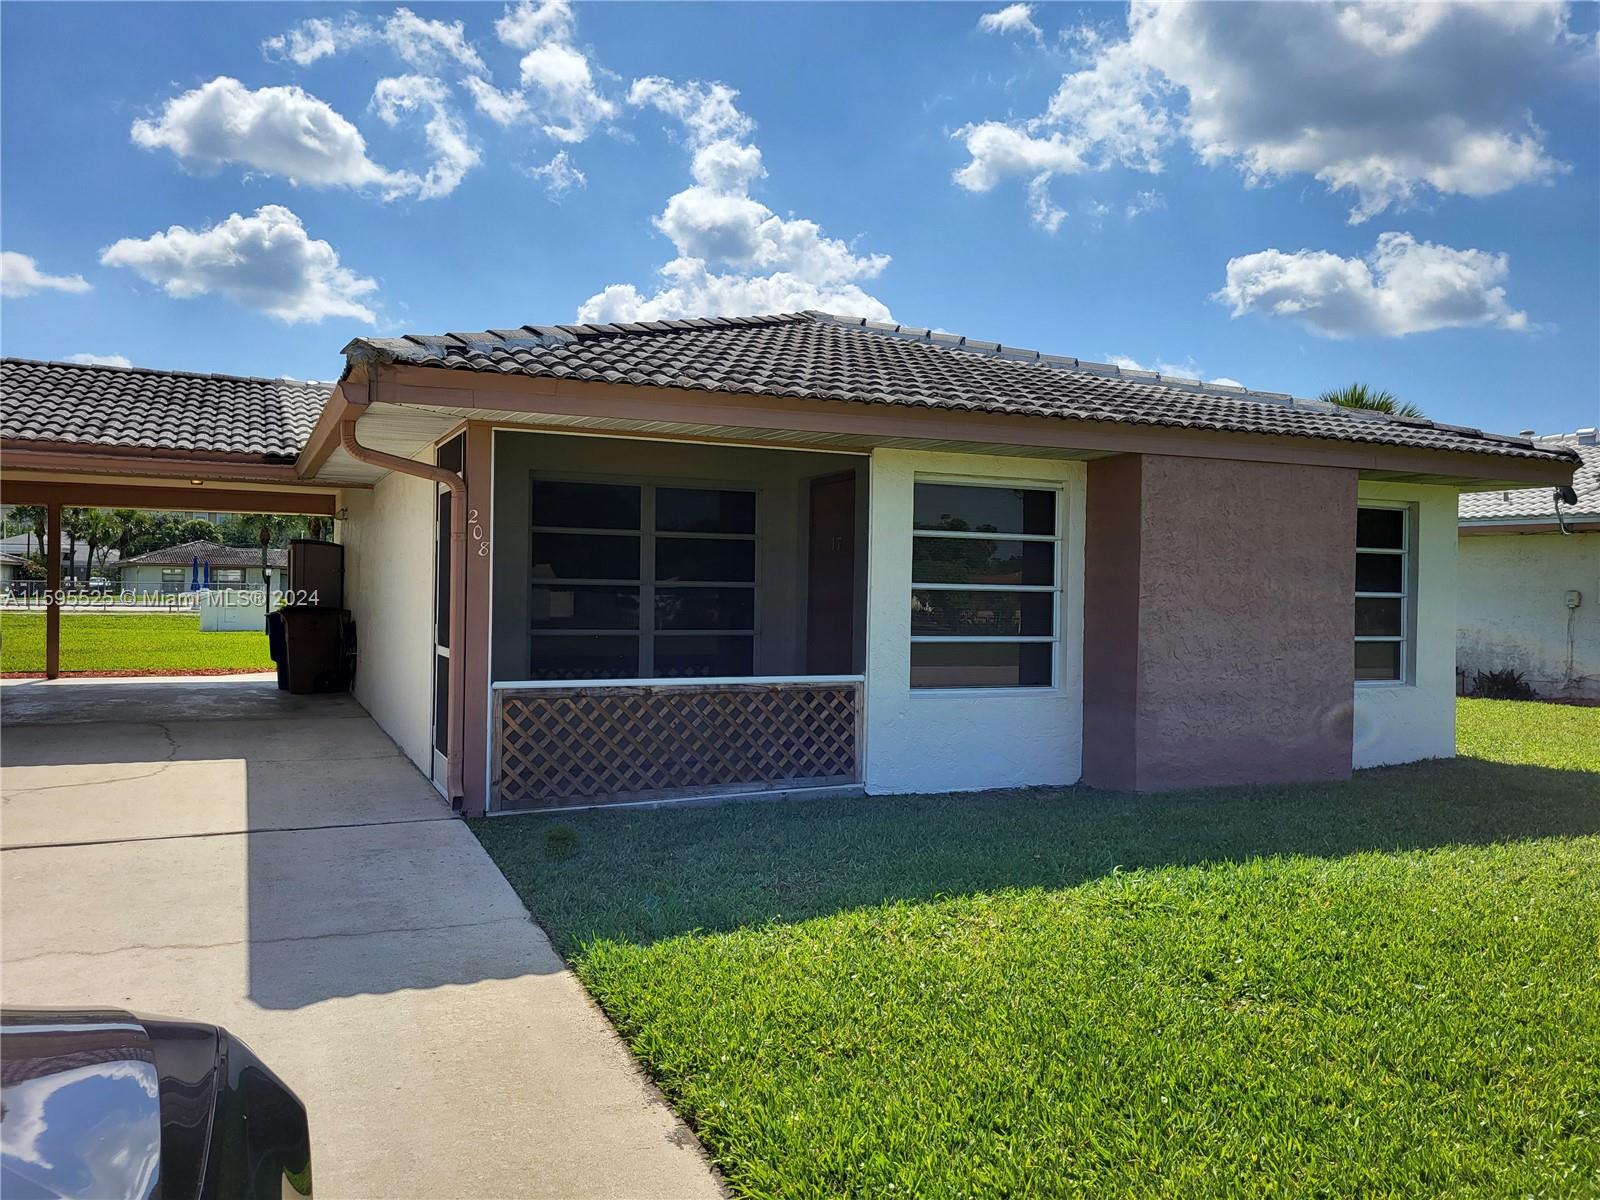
(1293, 197)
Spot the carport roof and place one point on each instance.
(133, 408)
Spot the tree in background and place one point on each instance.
(245, 529)
(31, 518)
(99, 532)
(1359, 395)
(74, 522)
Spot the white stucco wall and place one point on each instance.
(933, 741)
(1403, 722)
(1513, 609)
(388, 587)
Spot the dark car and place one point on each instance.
(101, 1103)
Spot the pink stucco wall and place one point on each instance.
(1217, 622)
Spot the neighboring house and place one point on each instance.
(190, 565)
(8, 567)
(1530, 581)
(603, 563)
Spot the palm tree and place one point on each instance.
(1359, 395)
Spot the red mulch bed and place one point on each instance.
(136, 674)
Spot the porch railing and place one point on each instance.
(561, 744)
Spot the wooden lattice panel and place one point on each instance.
(564, 746)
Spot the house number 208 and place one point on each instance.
(479, 538)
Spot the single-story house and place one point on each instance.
(189, 565)
(9, 564)
(695, 557)
(1529, 581)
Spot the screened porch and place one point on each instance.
(673, 620)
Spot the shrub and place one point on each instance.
(1505, 684)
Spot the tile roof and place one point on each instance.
(214, 553)
(132, 407)
(1538, 503)
(818, 356)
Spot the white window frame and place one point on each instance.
(1057, 588)
(647, 584)
(237, 582)
(1407, 594)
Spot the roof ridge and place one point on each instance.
(136, 370)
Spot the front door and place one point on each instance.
(831, 593)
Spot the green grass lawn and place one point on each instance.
(167, 644)
(1385, 987)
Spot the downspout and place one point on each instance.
(458, 569)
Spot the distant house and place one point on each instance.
(8, 566)
(1529, 581)
(194, 564)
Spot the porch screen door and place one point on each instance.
(451, 456)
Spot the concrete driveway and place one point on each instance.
(226, 852)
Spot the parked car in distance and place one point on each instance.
(101, 1103)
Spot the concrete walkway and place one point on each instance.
(230, 853)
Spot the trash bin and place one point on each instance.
(275, 648)
(313, 642)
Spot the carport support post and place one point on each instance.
(52, 584)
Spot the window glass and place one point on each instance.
(1379, 617)
(573, 656)
(443, 562)
(441, 704)
(679, 657)
(584, 608)
(1380, 528)
(705, 510)
(1378, 660)
(705, 608)
(585, 556)
(586, 505)
(982, 614)
(959, 507)
(713, 560)
(979, 560)
(981, 664)
(1380, 572)
(173, 575)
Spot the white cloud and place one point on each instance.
(529, 25)
(559, 89)
(1013, 18)
(429, 45)
(1143, 202)
(1404, 286)
(503, 107)
(1387, 102)
(101, 360)
(1041, 208)
(770, 263)
(264, 262)
(21, 276)
(558, 176)
(318, 38)
(1187, 369)
(690, 290)
(280, 130)
(289, 132)
(422, 43)
(453, 152)
(1226, 382)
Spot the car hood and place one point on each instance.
(82, 1105)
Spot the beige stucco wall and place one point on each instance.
(781, 478)
(1513, 612)
(388, 586)
(1415, 719)
(949, 741)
